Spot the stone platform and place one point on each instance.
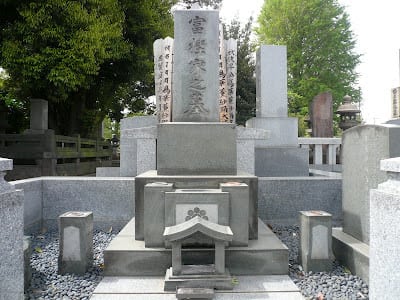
(126, 256)
(277, 287)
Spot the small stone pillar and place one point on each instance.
(76, 242)
(11, 236)
(384, 244)
(315, 241)
(27, 262)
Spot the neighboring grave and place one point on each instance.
(385, 239)
(282, 147)
(321, 115)
(363, 147)
(11, 234)
(39, 114)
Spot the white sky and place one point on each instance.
(375, 26)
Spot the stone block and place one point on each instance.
(138, 150)
(283, 131)
(195, 77)
(363, 148)
(154, 210)
(245, 143)
(195, 182)
(76, 242)
(239, 211)
(281, 162)
(196, 149)
(11, 246)
(27, 262)
(384, 234)
(351, 253)
(316, 241)
(271, 84)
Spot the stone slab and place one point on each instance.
(138, 122)
(39, 115)
(351, 253)
(196, 149)
(283, 131)
(385, 240)
(6, 164)
(363, 149)
(281, 162)
(108, 172)
(11, 246)
(271, 84)
(195, 182)
(194, 293)
(126, 256)
(321, 115)
(195, 77)
(277, 287)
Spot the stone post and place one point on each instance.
(316, 241)
(321, 115)
(76, 242)
(39, 116)
(384, 278)
(11, 235)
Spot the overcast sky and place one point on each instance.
(376, 27)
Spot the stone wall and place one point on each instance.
(112, 199)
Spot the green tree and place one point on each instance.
(320, 48)
(246, 82)
(88, 58)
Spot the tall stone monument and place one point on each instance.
(321, 115)
(196, 219)
(280, 154)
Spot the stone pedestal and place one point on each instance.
(384, 279)
(196, 149)
(316, 241)
(76, 242)
(11, 246)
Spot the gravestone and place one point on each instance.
(195, 77)
(11, 246)
(231, 76)
(39, 115)
(321, 115)
(363, 147)
(384, 234)
(271, 114)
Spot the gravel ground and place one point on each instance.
(47, 284)
(335, 285)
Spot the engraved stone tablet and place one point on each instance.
(195, 76)
(231, 76)
(72, 244)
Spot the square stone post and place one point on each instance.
(176, 257)
(11, 235)
(76, 242)
(384, 278)
(219, 257)
(316, 241)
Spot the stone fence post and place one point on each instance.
(11, 236)
(384, 278)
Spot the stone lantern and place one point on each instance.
(348, 112)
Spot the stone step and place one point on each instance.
(194, 293)
(261, 287)
(126, 256)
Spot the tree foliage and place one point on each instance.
(320, 48)
(89, 58)
(246, 83)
